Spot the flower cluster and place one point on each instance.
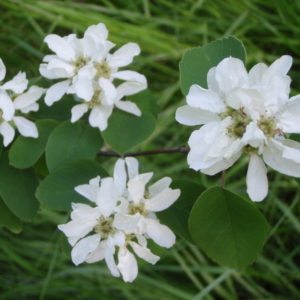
(14, 102)
(123, 215)
(244, 113)
(89, 70)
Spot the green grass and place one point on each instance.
(32, 265)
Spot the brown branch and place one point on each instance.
(181, 149)
(223, 178)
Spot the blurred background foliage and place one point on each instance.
(32, 265)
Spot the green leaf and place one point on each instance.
(126, 131)
(17, 188)
(57, 189)
(72, 140)
(177, 215)
(229, 229)
(25, 151)
(295, 137)
(8, 219)
(196, 62)
(145, 102)
(60, 110)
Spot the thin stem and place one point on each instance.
(182, 149)
(223, 178)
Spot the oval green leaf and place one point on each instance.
(176, 216)
(228, 228)
(126, 131)
(17, 188)
(72, 140)
(196, 62)
(57, 189)
(8, 219)
(26, 151)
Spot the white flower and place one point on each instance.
(138, 214)
(244, 113)
(90, 71)
(13, 100)
(95, 232)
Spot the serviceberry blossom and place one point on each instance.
(14, 102)
(244, 113)
(89, 70)
(122, 215)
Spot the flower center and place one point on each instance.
(95, 100)
(268, 126)
(105, 227)
(80, 62)
(103, 70)
(137, 208)
(239, 122)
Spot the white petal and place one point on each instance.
(60, 46)
(84, 211)
(136, 188)
(142, 240)
(126, 222)
(98, 31)
(124, 55)
(160, 234)
(212, 82)
(231, 73)
(83, 88)
(78, 111)
(284, 159)
(105, 198)
(159, 186)
(6, 105)
(32, 107)
(117, 239)
(110, 261)
(257, 181)
(289, 116)
(129, 107)
(145, 177)
(221, 165)
(256, 74)
(98, 254)
(77, 229)
(130, 88)
(120, 176)
(7, 132)
(144, 253)
(127, 265)
(84, 247)
(163, 200)
(278, 68)
(109, 91)
(191, 116)
(254, 137)
(99, 116)
(136, 82)
(61, 68)
(56, 91)
(87, 191)
(199, 97)
(132, 166)
(28, 98)
(2, 70)
(18, 84)
(276, 94)
(47, 73)
(26, 127)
